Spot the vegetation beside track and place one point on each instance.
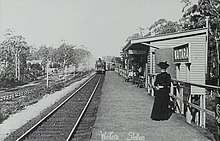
(12, 106)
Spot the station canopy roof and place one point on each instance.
(144, 43)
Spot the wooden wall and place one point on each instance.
(198, 57)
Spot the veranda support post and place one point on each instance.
(202, 113)
(146, 77)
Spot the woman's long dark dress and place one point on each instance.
(160, 109)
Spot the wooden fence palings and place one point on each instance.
(18, 94)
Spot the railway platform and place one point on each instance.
(124, 114)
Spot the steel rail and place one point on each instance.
(82, 113)
(54, 110)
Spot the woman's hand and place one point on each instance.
(171, 95)
(157, 88)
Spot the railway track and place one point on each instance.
(71, 120)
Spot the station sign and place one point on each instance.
(137, 52)
(181, 53)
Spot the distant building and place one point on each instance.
(35, 62)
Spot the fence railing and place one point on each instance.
(192, 106)
(122, 72)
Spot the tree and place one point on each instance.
(162, 26)
(134, 36)
(43, 54)
(68, 54)
(64, 55)
(33, 55)
(195, 17)
(14, 52)
(218, 43)
(195, 14)
(81, 55)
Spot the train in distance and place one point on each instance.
(100, 66)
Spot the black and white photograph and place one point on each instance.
(109, 70)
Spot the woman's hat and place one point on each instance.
(163, 65)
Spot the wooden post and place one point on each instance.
(171, 88)
(16, 65)
(151, 62)
(146, 77)
(202, 114)
(74, 67)
(47, 74)
(178, 101)
(152, 84)
(19, 67)
(178, 88)
(188, 113)
(181, 95)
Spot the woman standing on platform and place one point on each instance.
(162, 84)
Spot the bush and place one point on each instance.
(8, 80)
(1, 117)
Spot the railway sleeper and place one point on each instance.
(83, 127)
(85, 130)
(56, 124)
(86, 125)
(48, 138)
(81, 136)
(45, 135)
(88, 120)
(59, 121)
(51, 129)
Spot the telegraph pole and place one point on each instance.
(47, 67)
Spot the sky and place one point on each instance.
(101, 26)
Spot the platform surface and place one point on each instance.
(124, 114)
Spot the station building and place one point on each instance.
(186, 52)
